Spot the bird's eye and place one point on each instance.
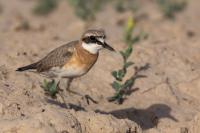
(92, 38)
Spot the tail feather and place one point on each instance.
(31, 66)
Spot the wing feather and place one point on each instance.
(57, 57)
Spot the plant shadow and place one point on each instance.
(146, 118)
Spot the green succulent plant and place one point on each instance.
(50, 88)
(44, 7)
(170, 7)
(86, 9)
(121, 88)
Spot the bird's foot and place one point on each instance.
(62, 96)
(88, 99)
(70, 92)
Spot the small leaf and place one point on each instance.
(116, 85)
(123, 55)
(128, 83)
(128, 64)
(45, 85)
(111, 99)
(53, 88)
(128, 52)
(121, 74)
(114, 74)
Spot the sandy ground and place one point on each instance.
(167, 100)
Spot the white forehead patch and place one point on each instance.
(92, 47)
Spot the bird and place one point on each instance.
(73, 59)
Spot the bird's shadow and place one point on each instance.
(63, 105)
(146, 118)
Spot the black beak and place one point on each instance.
(105, 45)
(92, 39)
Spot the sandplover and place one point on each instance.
(73, 59)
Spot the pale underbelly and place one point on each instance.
(68, 72)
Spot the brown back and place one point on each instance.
(57, 57)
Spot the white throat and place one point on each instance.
(92, 47)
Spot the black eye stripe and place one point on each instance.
(92, 39)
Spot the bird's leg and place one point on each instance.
(68, 87)
(58, 86)
(61, 94)
(87, 97)
(69, 81)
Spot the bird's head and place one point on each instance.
(94, 40)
